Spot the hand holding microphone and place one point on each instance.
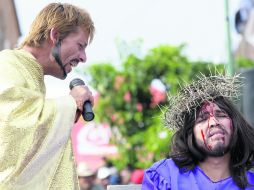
(87, 111)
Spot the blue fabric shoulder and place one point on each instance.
(250, 176)
(158, 176)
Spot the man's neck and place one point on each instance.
(41, 55)
(216, 168)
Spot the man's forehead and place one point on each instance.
(209, 104)
(209, 107)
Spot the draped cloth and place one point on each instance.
(35, 146)
(165, 175)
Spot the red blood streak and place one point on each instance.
(203, 136)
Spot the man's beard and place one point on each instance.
(217, 151)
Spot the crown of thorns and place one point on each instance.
(190, 96)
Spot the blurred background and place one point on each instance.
(142, 51)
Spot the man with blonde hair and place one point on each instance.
(35, 145)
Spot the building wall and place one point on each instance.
(9, 27)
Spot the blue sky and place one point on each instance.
(200, 24)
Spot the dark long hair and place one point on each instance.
(187, 155)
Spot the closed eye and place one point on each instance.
(81, 47)
(221, 114)
(202, 117)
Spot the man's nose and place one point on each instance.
(82, 56)
(212, 121)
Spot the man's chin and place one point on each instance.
(216, 151)
(62, 77)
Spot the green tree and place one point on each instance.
(127, 103)
(244, 63)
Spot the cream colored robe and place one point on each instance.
(35, 146)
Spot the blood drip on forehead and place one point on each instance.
(207, 107)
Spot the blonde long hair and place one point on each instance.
(64, 17)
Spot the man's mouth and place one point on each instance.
(74, 63)
(216, 132)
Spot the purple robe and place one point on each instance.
(165, 175)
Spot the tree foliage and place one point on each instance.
(127, 103)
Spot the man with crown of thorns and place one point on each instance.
(213, 144)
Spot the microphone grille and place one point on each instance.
(76, 82)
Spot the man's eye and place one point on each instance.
(81, 46)
(201, 118)
(222, 115)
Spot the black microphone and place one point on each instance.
(87, 112)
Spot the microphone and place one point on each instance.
(87, 112)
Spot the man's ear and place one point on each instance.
(54, 37)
